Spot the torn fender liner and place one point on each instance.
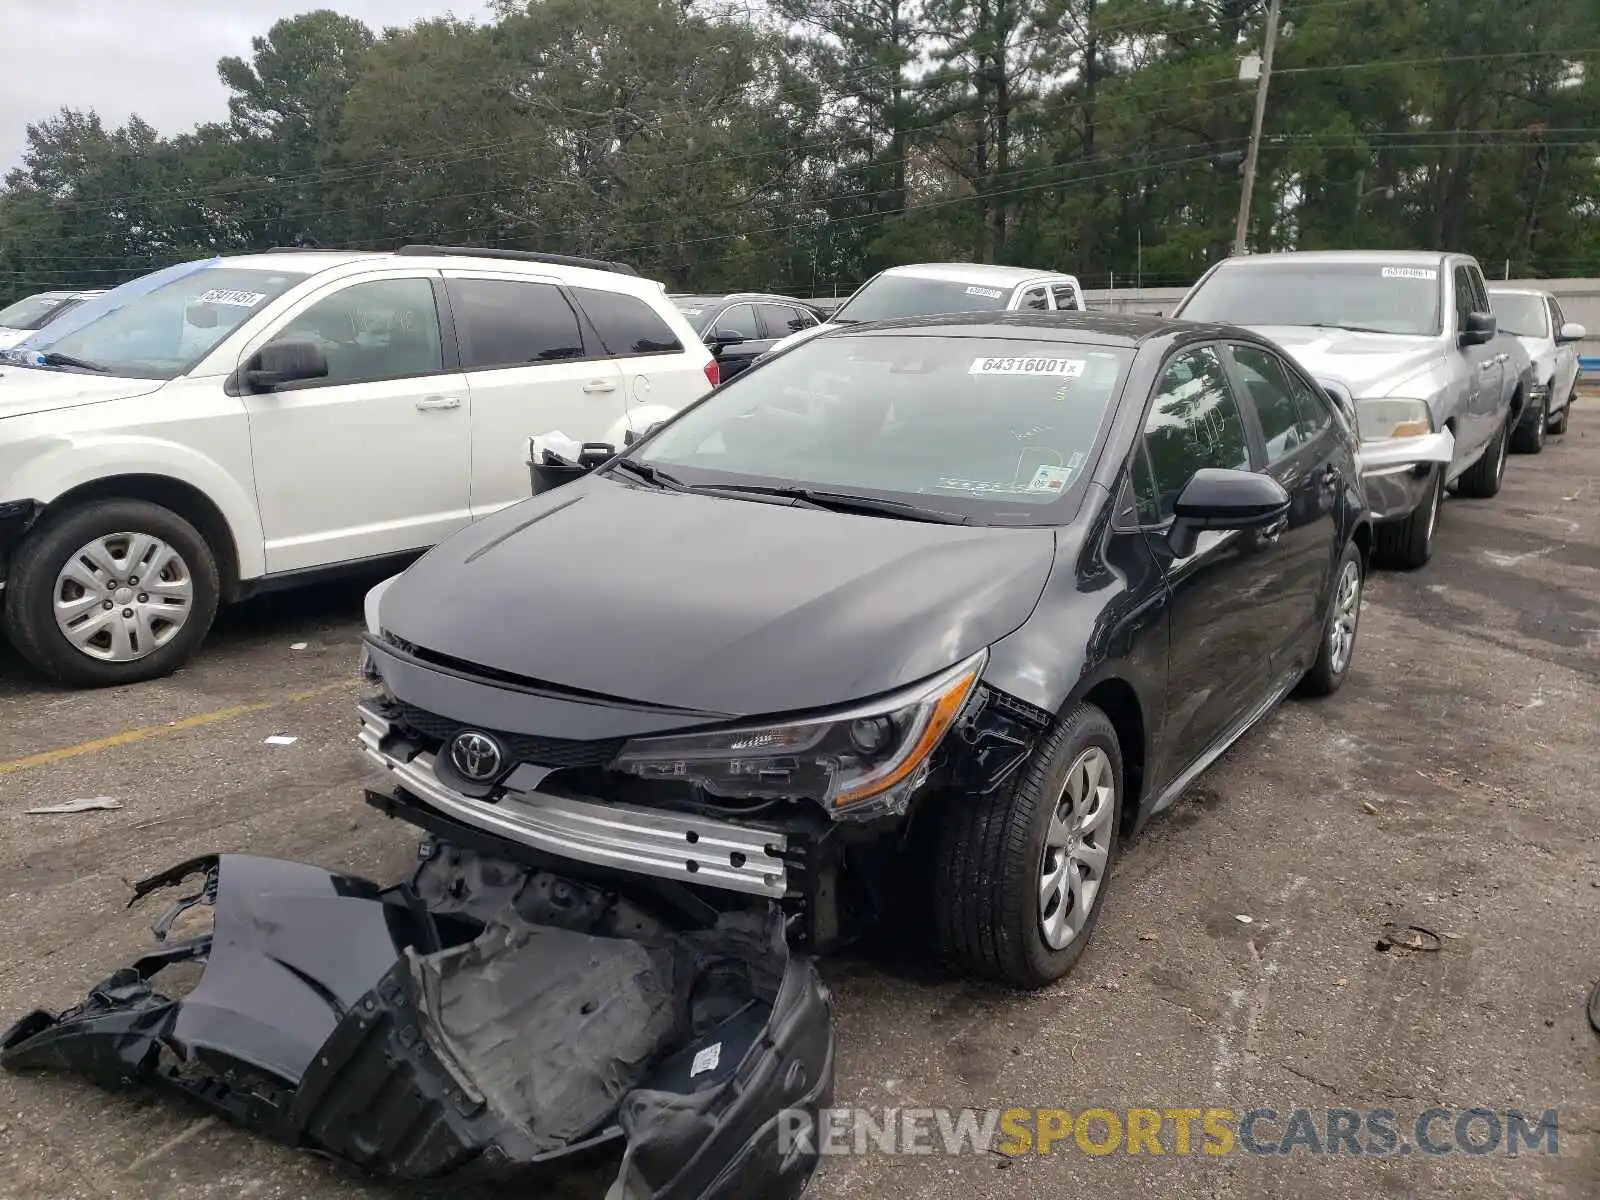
(481, 1020)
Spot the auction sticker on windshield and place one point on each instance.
(236, 299)
(1410, 273)
(1055, 368)
(992, 293)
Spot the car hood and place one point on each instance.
(794, 339)
(1368, 364)
(720, 606)
(25, 391)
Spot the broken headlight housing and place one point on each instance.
(860, 762)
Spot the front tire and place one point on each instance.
(111, 592)
(1482, 480)
(1022, 874)
(1408, 544)
(1529, 435)
(1338, 649)
(1558, 424)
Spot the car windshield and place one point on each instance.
(33, 312)
(1373, 297)
(1521, 314)
(891, 296)
(698, 309)
(995, 430)
(161, 332)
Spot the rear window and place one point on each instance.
(507, 323)
(891, 296)
(1000, 429)
(626, 324)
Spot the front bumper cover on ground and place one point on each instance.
(483, 1020)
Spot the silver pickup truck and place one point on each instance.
(1408, 344)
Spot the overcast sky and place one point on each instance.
(157, 58)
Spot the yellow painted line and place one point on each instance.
(129, 736)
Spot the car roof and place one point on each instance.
(1518, 291)
(721, 297)
(1415, 258)
(978, 273)
(1103, 329)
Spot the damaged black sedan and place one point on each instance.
(944, 607)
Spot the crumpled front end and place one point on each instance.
(481, 1020)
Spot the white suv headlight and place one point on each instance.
(859, 762)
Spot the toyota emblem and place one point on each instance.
(476, 756)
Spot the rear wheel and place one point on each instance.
(1529, 435)
(1022, 874)
(1408, 544)
(1338, 647)
(1481, 481)
(111, 592)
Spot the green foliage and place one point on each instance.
(807, 146)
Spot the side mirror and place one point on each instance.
(720, 340)
(630, 436)
(1218, 499)
(1480, 328)
(1571, 332)
(280, 363)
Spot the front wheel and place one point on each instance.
(1338, 647)
(111, 592)
(1558, 423)
(1481, 481)
(1408, 543)
(1022, 874)
(1530, 431)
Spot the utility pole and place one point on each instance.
(1262, 84)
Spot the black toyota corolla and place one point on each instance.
(958, 600)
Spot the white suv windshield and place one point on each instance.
(891, 296)
(992, 428)
(162, 332)
(1521, 314)
(1375, 297)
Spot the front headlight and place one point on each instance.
(858, 762)
(1378, 419)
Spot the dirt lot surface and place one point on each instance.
(1451, 783)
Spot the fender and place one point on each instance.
(78, 459)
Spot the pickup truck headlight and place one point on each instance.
(858, 762)
(1378, 419)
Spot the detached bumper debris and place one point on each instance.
(482, 1020)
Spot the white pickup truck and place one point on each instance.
(1408, 343)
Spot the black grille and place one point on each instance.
(520, 747)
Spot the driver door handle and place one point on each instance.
(600, 385)
(433, 403)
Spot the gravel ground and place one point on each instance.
(1449, 784)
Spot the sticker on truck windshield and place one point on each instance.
(991, 293)
(1054, 368)
(235, 299)
(1410, 273)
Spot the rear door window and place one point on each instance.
(1066, 296)
(511, 323)
(626, 324)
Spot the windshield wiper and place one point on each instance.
(1356, 328)
(841, 501)
(651, 475)
(54, 358)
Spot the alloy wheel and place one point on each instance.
(1077, 848)
(123, 596)
(1346, 614)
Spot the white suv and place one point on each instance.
(933, 289)
(226, 427)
